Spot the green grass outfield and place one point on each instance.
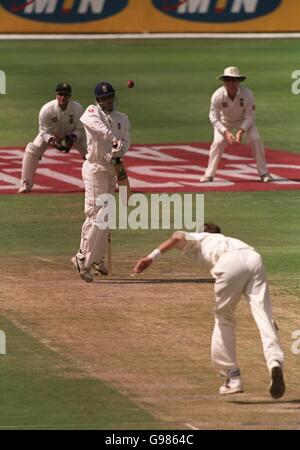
(42, 390)
(170, 103)
(174, 82)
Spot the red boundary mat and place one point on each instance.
(158, 168)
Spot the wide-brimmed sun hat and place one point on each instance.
(232, 72)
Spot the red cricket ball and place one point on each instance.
(130, 83)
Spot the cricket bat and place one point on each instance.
(122, 178)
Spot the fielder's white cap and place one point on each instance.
(232, 72)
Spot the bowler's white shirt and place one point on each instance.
(207, 248)
(101, 129)
(53, 121)
(225, 113)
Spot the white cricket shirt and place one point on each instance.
(207, 248)
(53, 121)
(101, 129)
(225, 113)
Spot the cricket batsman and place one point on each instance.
(108, 139)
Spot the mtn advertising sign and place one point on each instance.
(217, 11)
(64, 11)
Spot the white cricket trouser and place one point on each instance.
(33, 153)
(236, 273)
(97, 180)
(219, 143)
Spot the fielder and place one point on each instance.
(108, 138)
(233, 107)
(59, 127)
(237, 269)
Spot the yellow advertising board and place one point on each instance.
(146, 16)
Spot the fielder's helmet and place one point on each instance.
(104, 89)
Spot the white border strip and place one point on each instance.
(24, 37)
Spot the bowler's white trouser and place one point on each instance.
(98, 180)
(219, 143)
(236, 273)
(34, 152)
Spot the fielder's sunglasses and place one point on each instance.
(63, 94)
(230, 79)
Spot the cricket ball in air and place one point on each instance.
(130, 83)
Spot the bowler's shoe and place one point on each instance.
(205, 179)
(231, 386)
(266, 178)
(277, 386)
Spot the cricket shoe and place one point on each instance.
(25, 188)
(83, 272)
(277, 386)
(266, 178)
(231, 386)
(99, 269)
(205, 179)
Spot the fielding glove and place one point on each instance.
(69, 141)
(56, 143)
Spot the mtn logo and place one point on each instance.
(64, 11)
(216, 11)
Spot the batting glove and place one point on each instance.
(114, 142)
(119, 151)
(108, 157)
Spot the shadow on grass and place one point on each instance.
(156, 281)
(266, 402)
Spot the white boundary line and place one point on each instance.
(25, 36)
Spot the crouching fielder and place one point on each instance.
(237, 269)
(58, 121)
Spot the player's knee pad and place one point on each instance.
(253, 135)
(256, 144)
(32, 149)
(90, 212)
(218, 144)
